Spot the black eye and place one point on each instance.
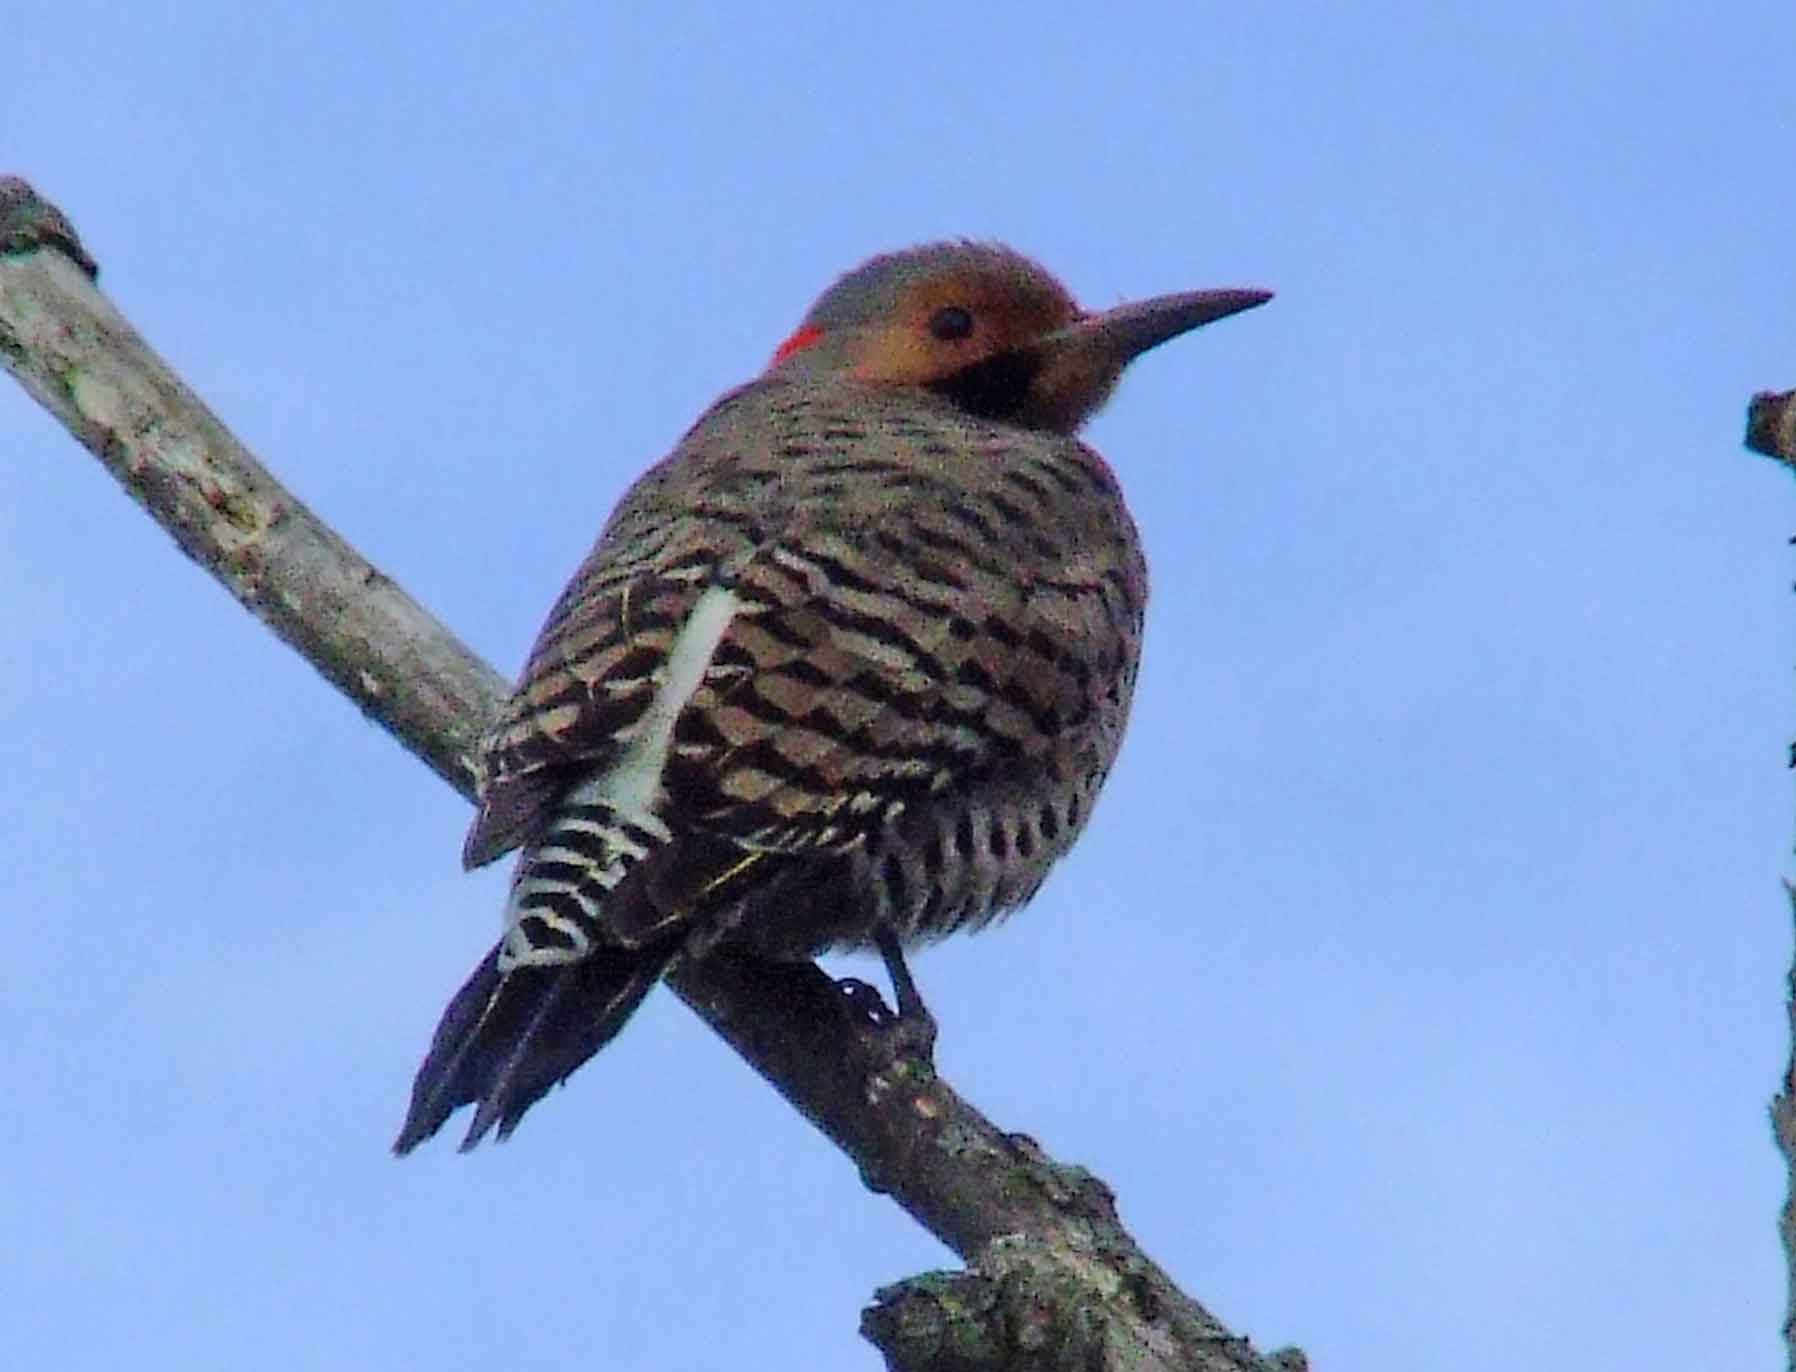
(951, 323)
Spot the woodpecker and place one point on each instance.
(846, 669)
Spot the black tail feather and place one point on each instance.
(506, 1039)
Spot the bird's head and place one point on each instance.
(989, 330)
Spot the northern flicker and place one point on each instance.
(846, 668)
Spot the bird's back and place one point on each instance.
(933, 636)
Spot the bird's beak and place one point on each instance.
(1124, 333)
(1081, 362)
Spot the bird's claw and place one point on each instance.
(893, 1042)
(862, 1002)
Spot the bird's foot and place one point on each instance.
(884, 1034)
(894, 1043)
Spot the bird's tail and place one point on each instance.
(507, 1037)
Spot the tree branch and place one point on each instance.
(1783, 1130)
(1771, 431)
(1054, 1279)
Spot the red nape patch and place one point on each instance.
(797, 343)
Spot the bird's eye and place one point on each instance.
(951, 323)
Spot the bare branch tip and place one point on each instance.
(29, 222)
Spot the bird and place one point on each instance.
(845, 670)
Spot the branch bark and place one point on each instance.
(1053, 1278)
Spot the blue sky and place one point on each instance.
(1417, 985)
